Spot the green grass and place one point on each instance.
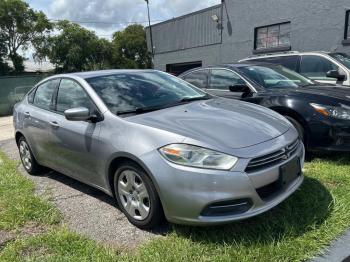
(295, 230)
(58, 245)
(18, 204)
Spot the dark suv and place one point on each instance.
(320, 113)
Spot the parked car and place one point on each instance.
(323, 67)
(320, 113)
(160, 146)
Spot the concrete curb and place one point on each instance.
(338, 251)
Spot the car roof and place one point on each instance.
(230, 66)
(289, 53)
(91, 74)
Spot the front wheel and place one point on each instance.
(137, 196)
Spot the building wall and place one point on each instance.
(316, 25)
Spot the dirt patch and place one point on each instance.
(5, 237)
(28, 230)
(32, 229)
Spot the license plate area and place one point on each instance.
(289, 172)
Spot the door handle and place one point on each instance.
(26, 115)
(54, 124)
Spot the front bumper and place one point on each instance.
(186, 192)
(329, 135)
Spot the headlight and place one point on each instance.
(194, 156)
(333, 111)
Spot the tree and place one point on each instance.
(20, 26)
(75, 49)
(131, 47)
(4, 68)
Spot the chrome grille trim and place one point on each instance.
(272, 158)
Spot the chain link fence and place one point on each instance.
(13, 88)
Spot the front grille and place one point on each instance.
(272, 158)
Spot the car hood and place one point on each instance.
(218, 122)
(334, 91)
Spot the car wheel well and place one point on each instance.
(18, 136)
(297, 117)
(114, 166)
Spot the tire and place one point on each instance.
(298, 127)
(137, 196)
(28, 160)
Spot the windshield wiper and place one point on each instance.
(140, 110)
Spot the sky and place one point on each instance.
(108, 16)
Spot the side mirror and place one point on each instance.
(239, 88)
(336, 74)
(77, 114)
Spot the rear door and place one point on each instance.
(36, 119)
(72, 143)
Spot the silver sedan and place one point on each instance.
(160, 146)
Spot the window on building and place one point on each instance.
(347, 25)
(272, 36)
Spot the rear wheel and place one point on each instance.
(298, 127)
(137, 196)
(27, 158)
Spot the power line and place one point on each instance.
(107, 23)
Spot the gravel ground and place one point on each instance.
(85, 210)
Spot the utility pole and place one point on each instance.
(150, 29)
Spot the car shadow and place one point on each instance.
(305, 210)
(342, 158)
(93, 192)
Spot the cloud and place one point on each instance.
(120, 12)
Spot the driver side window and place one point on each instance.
(71, 95)
(316, 67)
(222, 79)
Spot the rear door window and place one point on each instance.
(44, 93)
(198, 78)
(316, 67)
(291, 62)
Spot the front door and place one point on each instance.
(220, 81)
(73, 143)
(316, 68)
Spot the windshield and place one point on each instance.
(137, 91)
(342, 58)
(275, 77)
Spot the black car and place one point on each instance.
(320, 113)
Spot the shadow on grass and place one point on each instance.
(339, 157)
(305, 210)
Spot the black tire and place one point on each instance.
(156, 215)
(34, 168)
(298, 127)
